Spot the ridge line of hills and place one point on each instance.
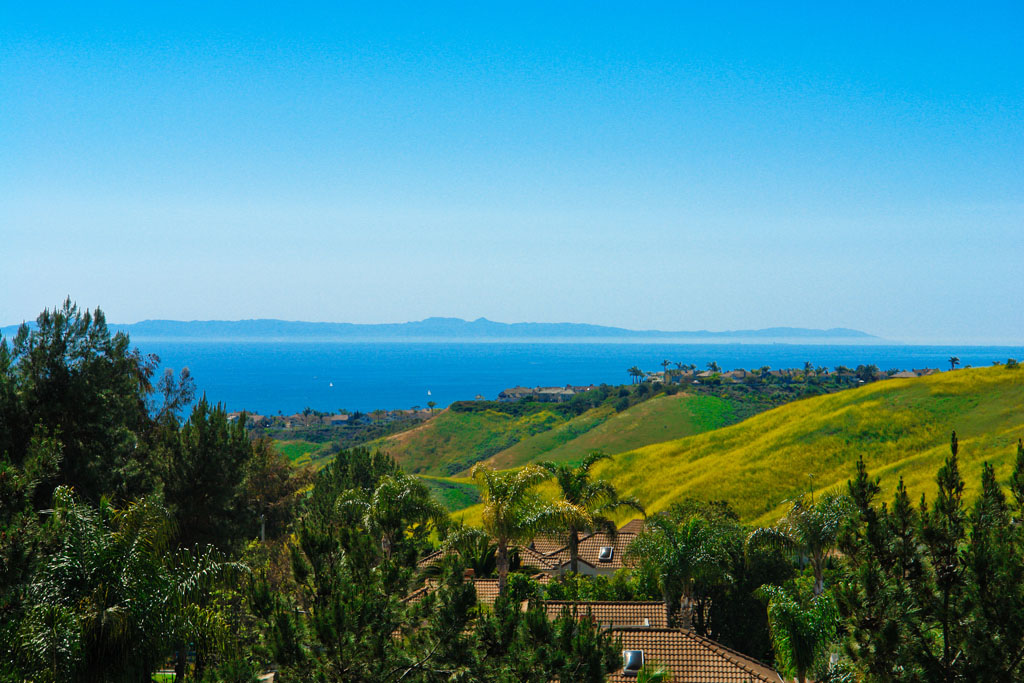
(453, 329)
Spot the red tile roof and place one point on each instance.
(633, 526)
(690, 658)
(528, 559)
(545, 544)
(590, 550)
(610, 614)
(486, 589)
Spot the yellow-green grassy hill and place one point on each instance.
(450, 442)
(900, 426)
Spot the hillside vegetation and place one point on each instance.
(660, 419)
(901, 427)
(514, 434)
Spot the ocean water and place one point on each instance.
(267, 377)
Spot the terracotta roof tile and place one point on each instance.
(528, 558)
(486, 589)
(590, 550)
(548, 544)
(633, 526)
(610, 614)
(691, 658)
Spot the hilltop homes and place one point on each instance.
(545, 394)
(646, 629)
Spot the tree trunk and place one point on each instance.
(180, 663)
(574, 550)
(818, 565)
(502, 562)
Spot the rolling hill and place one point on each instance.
(659, 419)
(452, 441)
(901, 427)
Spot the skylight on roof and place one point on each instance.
(632, 661)
(606, 553)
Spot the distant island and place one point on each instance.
(456, 329)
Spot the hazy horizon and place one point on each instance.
(659, 167)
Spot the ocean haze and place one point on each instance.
(267, 377)
(456, 329)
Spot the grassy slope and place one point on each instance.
(298, 451)
(452, 441)
(653, 421)
(452, 493)
(901, 427)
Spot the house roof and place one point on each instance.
(547, 543)
(609, 614)
(528, 558)
(633, 526)
(590, 550)
(486, 589)
(690, 657)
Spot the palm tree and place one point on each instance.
(513, 513)
(810, 529)
(664, 370)
(111, 596)
(800, 632)
(399, 504)
(653, 674)
(594, 497)
(679, 370)
(635, 373)
(808, 368)
(713, 367)
(953, 362)
(431, 404)
(681, 553)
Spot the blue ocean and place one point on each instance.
(267, 377)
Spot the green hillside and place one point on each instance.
(902, 428)
(452, 440)
(659, 419)
(510, 435)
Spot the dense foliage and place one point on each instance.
(142, 529)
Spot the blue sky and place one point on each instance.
(672, 167)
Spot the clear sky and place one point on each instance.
(670, 166)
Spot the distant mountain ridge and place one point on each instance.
(449, 329)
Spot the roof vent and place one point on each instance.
(647, 622)
(632, 661)
(606, 553)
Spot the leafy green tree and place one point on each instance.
(810, 529)
(513, 513)
(935, 593)
(596, 498)
(110, 599)
(654, 674)
(273, 488)
(400, 513)
(683, 551)
(203, 467)
(802, 628)
(85, 387)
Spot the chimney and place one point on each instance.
(468, 573)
